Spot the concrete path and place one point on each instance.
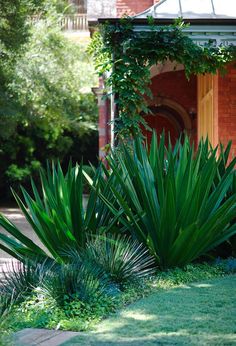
(42, 337)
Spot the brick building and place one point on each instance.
(205, 104)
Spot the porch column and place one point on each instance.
(103, 118)
(207, 120)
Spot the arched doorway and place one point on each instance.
(169, 117)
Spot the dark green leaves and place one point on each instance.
(175, 200)
(57, 215)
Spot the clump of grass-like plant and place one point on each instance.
(121, 258)
(20, 279)
(101, 269)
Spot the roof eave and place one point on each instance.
(168, 21)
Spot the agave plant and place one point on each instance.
(172, 198)
(57, 215)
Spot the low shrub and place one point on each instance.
(227, 265)
(68, 282)
(86, 288)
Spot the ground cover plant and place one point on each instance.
(74, 295)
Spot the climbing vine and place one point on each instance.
(125, 56)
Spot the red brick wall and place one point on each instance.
(132, 7)
(227, 107)
(174, 86)
(170, 85)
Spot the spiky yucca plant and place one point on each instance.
(175, 199)
(57, 215)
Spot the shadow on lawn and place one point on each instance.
(198, 314)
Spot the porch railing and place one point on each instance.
(75, 22)
(71, 22)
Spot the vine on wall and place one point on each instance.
(126, 56)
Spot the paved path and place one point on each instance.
(42, 337)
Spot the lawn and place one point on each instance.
(194, 314)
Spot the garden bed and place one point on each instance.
(38, 311)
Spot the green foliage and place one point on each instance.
(14, 24)
(14, 33)
(191, 273)
(47, 110)
(18, 175)
(74, 295)
(128, 56)
(20, 279)
(76, 281)
(228, 248)
(46, 87)
(117, 259)
(171, 199)
(57, 215)
(39, 310)
(64, 6)
(121, 259)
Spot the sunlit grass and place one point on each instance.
(194, 314)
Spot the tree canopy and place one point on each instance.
(47, 110)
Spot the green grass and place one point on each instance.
(38, 311)
(191, 314)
